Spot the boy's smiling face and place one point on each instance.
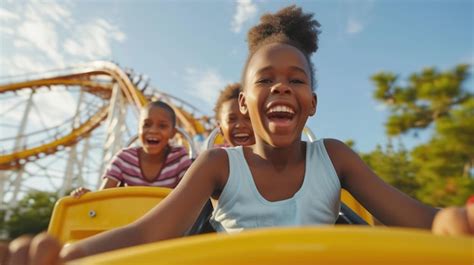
(234, 126)
(277, 94)
(156, 129)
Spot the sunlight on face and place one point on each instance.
(234, 126)
(278, 94)
(156, 129)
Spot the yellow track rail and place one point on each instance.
(83, 76)
(16, 159)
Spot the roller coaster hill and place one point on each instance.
(41, 149)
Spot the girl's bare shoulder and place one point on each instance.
(213, 155)
(215, 163)
(339, 153)
(335, 147)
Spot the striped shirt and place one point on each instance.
(125, 168)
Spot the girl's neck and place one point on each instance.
(154, 158)
(279, 155)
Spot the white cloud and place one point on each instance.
(359, 14)
(56, 12)
(43, 37)
(204, 84)
(38, 36)
(93, 40)
(354, 26)
(20, 44)
(6, 31)
(245, 11)
(7, 15)
(50, 34)
(20, 63)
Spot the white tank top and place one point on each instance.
(241, 206)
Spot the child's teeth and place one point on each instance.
(241, 135)
(281, 108)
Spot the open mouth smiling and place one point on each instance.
(152, 140)
(280, 113)
(241, 137)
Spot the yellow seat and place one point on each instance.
(95, 212)
(302, 245)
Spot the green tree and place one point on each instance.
(31, 215)
(426, 97)
(2, 224)
(394, 166)
(442, 168)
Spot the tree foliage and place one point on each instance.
(426, 97)
(394, 166)
(2, 224)
(31, 215)
(439, 172)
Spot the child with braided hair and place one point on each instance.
(278, 181)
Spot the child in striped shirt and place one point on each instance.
(155, 162)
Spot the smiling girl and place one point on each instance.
(155, 162)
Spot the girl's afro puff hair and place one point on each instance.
(289, 25)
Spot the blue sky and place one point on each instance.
(192, 49)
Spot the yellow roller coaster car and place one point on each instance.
(74, 219)
(303, 245)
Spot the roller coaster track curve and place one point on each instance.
(99, 79)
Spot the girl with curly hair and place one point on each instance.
(233, 125)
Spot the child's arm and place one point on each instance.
(386, 203)
(106, 184)
(170, 218)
